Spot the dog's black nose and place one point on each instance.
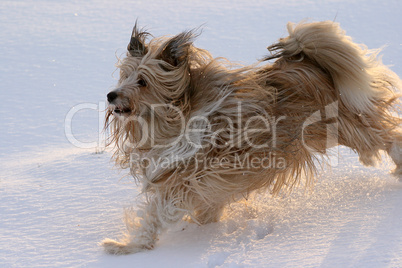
(111, 96)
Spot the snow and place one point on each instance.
(58, 201)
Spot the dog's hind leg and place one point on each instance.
(208, 214)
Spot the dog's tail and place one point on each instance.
(358, 75)
(367, 90)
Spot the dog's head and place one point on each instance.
(156, 72)
(154, 85)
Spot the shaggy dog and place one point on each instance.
(199, 132)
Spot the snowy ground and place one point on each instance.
(58, 201)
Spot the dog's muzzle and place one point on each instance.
(117, 108)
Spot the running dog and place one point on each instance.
(199, 132)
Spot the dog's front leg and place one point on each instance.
(395, 151)
(143, 227)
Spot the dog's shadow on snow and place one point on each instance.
(266, 221)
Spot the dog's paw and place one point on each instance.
(119, 248)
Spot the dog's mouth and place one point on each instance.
(121, 111)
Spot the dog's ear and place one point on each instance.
(137, 46)
(176, 49)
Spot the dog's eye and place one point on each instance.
(142, 83)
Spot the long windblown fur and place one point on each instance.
(175, 108)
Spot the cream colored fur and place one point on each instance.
(175, 102)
